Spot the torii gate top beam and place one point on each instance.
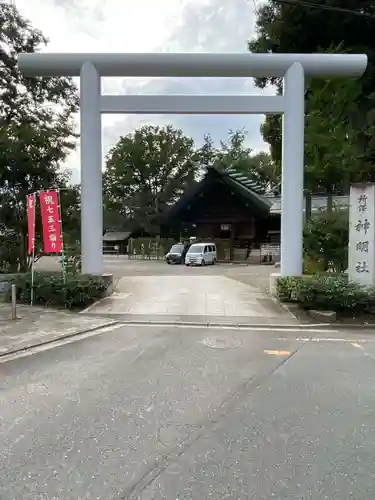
(192, 65)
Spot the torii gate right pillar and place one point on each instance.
(292, 199)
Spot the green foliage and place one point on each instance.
(311, 266)
(270, 130)
(70, 200)
(36, 130)
(339, 113)
(327, 292)
(78, 292)
(8, 251)
(326, 237)
(287, 288)
(335, 293)
(286, 28)
(231, 153)
(146, 171)
(234, 154)
(334, 153)
(71, 259)
(264, 171)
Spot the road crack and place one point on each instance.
(201, 429)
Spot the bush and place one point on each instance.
(327, 292)
(287, 289)
(78, 291)
(71, 259)
(8, 254)
(311, 266)
(326, 237)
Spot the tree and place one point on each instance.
(264, 171)
(36, 130)
(283, 27)
(293, 27)
(333, 153)
(70, 200)
(233, 153)
(146, 171)
(271, 133)
(326, 237)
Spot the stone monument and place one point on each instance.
(361, 261)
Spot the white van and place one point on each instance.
(201, 254)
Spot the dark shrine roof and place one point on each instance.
(242, 178)
(239, 184)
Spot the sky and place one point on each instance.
(154, 26)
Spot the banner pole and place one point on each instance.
(61, 238)
(33, 253)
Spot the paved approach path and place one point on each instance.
(191, 294)
(121, 266)
(166, 413)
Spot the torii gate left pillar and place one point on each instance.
(91, 170)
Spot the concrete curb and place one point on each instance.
(343, 326)
(260, 326)
(58, 339)
(222, 325)
(328, 324)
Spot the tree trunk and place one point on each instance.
(307, 206)
(329, 201)
(22, 259)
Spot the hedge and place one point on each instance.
(77, 292)
(327, 292)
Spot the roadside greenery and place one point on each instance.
(77, 292)
(339, 135)
(327, 292)
(326, 237)
(37, 133)
(71, 259)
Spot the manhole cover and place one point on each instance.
(221, 342)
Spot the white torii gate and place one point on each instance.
(292, 67)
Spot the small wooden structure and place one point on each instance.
(115, 242)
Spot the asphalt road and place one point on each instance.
(153, 413)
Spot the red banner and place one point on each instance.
(50, 212)
(30, 201)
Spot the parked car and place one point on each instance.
(176, 254)
(201, 254)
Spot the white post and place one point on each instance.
(292, 200)
(91, 171)
(14, 301)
